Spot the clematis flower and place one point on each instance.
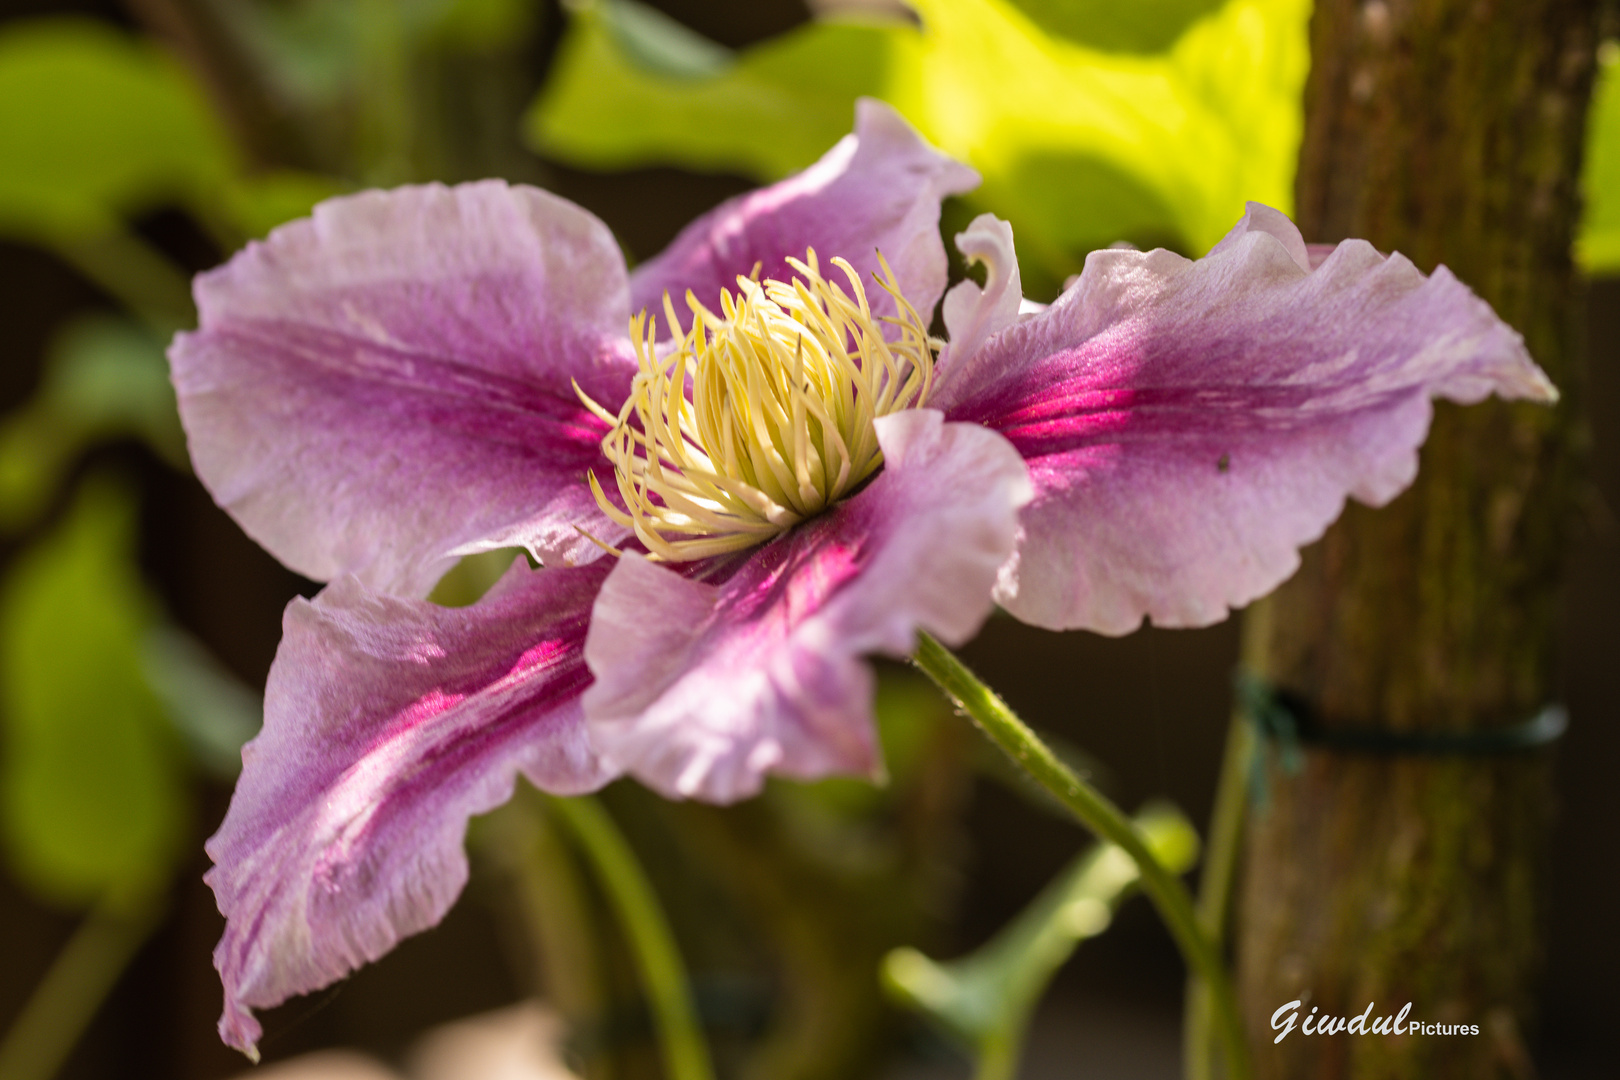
(790, 473)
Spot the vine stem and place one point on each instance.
(83, 974)
(658, 961)
(1215, 887)
(1107, 821)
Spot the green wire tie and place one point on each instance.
(1288, 723)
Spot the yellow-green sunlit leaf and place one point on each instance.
(1597, 246)
(97, 125)
(1141, 26)
(608, 107)
(93, 791)
(1078, 147)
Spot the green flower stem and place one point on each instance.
(663, 976)
(998, 1056)
(1215, 889)
(79, 980)
(1103, 818)
(545, 883)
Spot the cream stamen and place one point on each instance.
(761, 416)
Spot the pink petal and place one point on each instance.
(879, 188)
(1189, 425)
(705, 686)
(388, 723)
(386, 385)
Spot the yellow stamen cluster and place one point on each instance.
(761, 416)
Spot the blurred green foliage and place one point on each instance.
(107, 712)
(1597, 247)
(1081, 143)
(210, 708)
(386, 92)
(313, 47)
(100, 126)
(94, 793)
(633, 87)
(988, 997)
(1145, 26)
(254, 203)
(101, 700)
(104, 377)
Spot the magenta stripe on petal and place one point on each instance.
(703, 687)
(389, 384)
(1189, 425)
(877, 189)
(388, 723)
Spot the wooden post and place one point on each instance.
(1450, 130)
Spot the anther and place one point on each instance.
(761, 416)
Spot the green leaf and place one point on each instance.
(1597, 245)
(1079, 147)
(92, 792)
(104, 378)
(97, 125)
(467, 581)
(987, 997)
(1141, 26)
(607, 106)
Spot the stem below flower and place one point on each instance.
(998, 1058)
(663, 976)
(526, 845)
(1215, 888)
(1103, 818)
(84, 973)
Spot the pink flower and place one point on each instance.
(794, 479)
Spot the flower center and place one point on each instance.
(759, 417)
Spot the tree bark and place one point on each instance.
(1449, 130)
